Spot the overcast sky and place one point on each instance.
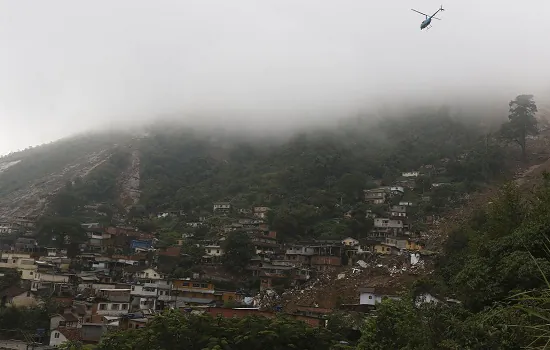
(67, 66)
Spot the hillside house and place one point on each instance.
(398, 211)
(375, 295)
(18, 297)
(270, 274)
(264, 244)
(212, 254)
(23, 263)
(213, 250)
(64, 334)
(8, 228)
(193, 292)
(406, 182)
(326, 256)
(25, 244)
(67, 320)
(350, 242)
(261, 212)
(376, 196)
(386, 249)
(222, 207)
(145, 296)
(384, 227)
(299, 255)
(149, 274)
(396, 190)
(111, 302)
(410, 174)
(366, 246)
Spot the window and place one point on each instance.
(204, 285)
(31, 273)
(196, 285)
(370, 296)
(124, 306)
(56, 335)
(146, 274)
(218, 251)
(133, 288)
(114, 307)
(161, 292)
(103, 306)
(155, 275)
(185, 284)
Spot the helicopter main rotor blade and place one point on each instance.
(420, 13)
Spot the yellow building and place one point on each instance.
(385, 249)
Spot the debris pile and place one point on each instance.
(340, 286)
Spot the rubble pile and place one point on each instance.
(331, 289)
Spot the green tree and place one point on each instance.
(238, 250)
(65, 232)
(74, 345)
(521, 121)
(175, 330)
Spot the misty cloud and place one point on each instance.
(68, 66)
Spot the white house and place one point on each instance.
(350, 242)
(213, 250)
(410, 174)
(63, 334)
(261, 212)
(398, 211)
(149, 274)
(112, 308)
(222, 207)
(373, 296)
(397, 190)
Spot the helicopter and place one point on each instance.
(426, 23)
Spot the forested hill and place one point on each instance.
(181, 170)
(315, 174)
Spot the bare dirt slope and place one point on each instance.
(31, 200)
(130, 182)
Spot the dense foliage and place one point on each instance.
(23, 322)
(99, 186)
(311, 179)
(496, 265)
(175, 330)
(522, 122)
(238, 250)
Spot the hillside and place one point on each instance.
(29, 178)
(177, 168)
